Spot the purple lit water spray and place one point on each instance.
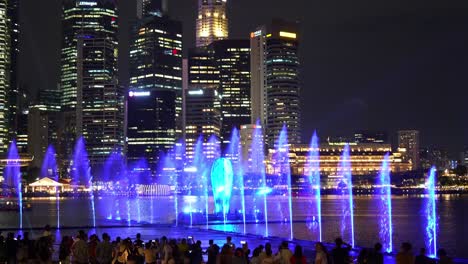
(385, 206)
(431, 214)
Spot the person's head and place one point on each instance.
(284, 244)
(10, 236)
(164, 239)
(239, 252)
(378, 247)
(138, 236)
(211, 242)
(118, 239)
(106, 237)
(441, 253)
(256, 252)
(268, 251)
(422, 251)
(229, 239)
(338, 242)
(65, 239)
(245, 246)
(298, 251)
(267, 246)
(319, 247)
(199, 243)
(261, 247)
(183, 241)
(225, 250)
(406, 247)
(148, 245)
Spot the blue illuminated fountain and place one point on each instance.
(234, 153)
(385, 206)
(347, 206)
(431, 214)
(257, 168)
(283, 171)
(81, 172)
(222, 176)
(313, 168)
(114, 171)
(13, 178)
(49, 169)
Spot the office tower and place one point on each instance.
(275, 84)
(232, 59)
(85, 22)
(14, 96)
(202, 69)
(247, 134)
(43, 119)
(212, 23)
(409, 140)
(151, 125)
(366, 136)
(203, 119)
(4, 74)
(100, 99)
(155, 70)
(147, 8)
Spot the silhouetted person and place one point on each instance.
(11, 248)
(239, 257)
(298, 257)
(405, 256)
(443, 258)
(196, 256)
(422, 258)
(212, 252)
(376, 256)
(321, 255)
(104, 250)
(340, 254)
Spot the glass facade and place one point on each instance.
(5, 46)
(232, 59)
(275, 80)
(151, 124)
(212, 23)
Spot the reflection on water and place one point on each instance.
(408, 213)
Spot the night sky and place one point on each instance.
(366, 64)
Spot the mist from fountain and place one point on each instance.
(257, 170)
(384, 199)
(431, 213)
(13, 178)
(234, 153)
(283, 172)
(347, 205)
(49, 169)
(222, 176)
(313, 168)
(81, 172)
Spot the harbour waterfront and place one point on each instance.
(407, 212)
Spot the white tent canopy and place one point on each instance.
(46, 182)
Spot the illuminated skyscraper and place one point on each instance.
(232, 59)
(90, 31)
(15, 95)
(212, 23)
(146, 8)
(275, 83)
(156, 72)
(100, 104)
(4, 74)
(409, 141)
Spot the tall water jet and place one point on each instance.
(347, 220)
(49, 169)
(81, 172)
(256, 167)
(385, 206)
(178, 157)
(431, 214)
(13, 177)
(199, 177)
(313, 167)
(222, 176)
(234, 153)
(283, 171)
(113, 172)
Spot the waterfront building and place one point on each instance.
(409, 140)
(275, 83)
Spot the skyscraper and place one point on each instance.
(89, 34)
(409, 140)
(4, 73)
(232, 59)
(151, 125)
(100, 104)
(275, 83)
(15, 95)
(203, 119)
(155, 70)
(212, 22)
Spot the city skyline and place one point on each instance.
(348, 102)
